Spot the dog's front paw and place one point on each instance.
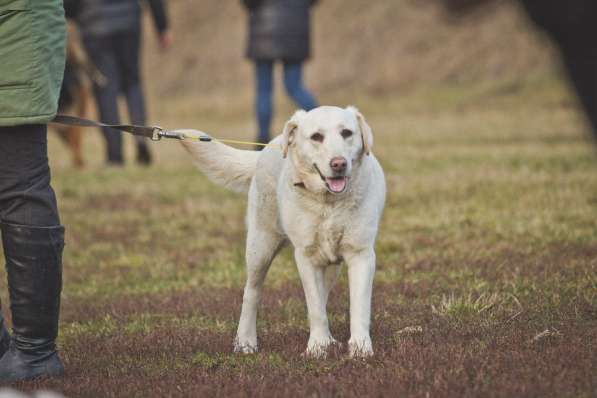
(360, 347)
(245, 347)
(318, 348)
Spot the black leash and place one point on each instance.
(154, 133)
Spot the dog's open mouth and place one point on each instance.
(336, 184)
(333, 184)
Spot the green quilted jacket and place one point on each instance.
(32, 56)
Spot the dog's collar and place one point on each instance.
(319, 172)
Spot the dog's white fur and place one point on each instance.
(289, 201)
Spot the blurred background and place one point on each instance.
(384, 56)
(487, 248)
(378, 48)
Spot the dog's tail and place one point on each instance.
(224, 165)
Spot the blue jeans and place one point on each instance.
(294, 88)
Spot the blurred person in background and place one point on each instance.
(111, 34)
(572, 26)
(279, 30)
(32, 54)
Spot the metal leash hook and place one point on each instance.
(159, 133)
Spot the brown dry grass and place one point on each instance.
(488, 240)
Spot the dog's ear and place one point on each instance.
(289, 130)
(366, 132)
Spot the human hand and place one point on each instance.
(165, 39)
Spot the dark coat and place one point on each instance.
(279, 29)
(105, 17)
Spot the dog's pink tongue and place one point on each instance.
(336, 184)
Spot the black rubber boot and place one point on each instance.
(34, 267)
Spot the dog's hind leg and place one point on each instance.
(73, 135)
(262, 246)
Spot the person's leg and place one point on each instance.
(33, 239)
(128, 53)
(293, 82)
(101, 53)
(263, 100)
(26, 197)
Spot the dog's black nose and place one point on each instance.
(338, 164)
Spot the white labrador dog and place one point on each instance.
(323, 191)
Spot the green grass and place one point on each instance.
(488, 239)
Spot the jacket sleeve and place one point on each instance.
(160, 16)
(251, 4)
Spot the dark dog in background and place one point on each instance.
(572, 26)
(75, 95)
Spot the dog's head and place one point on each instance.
(325, 145)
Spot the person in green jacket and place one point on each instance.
(32, 57)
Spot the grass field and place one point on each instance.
(486, 280)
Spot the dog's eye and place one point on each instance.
(346, 133)
(317, 137)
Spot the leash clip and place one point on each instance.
(157, 133)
